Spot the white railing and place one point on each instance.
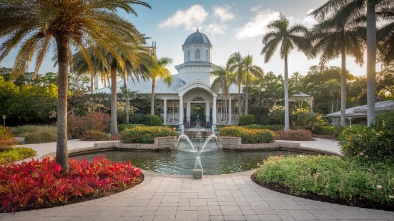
(172, 119)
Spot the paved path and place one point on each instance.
(223, 197)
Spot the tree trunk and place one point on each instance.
(371, 62)
(247, 92)
(239, 101)
(127, 100)
(287, 120)
(343, 86)
(114, 124)
(61, 146)
(92, 83)
(152, 99)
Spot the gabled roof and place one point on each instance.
(361, 111)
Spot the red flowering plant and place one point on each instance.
(79, 125)
(34, 184)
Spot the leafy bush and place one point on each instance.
(122, 127)
(248, 135)
(306, 119)
(6, 140)
(293, 135)
(137, 119)
(153, 120)
(246, 120)
(324, 130)
(14, 154)
(78, 125)
(145, 134)
(268, 127)
(95, 135)
(276, 115)
(37, 133)
(35, 184)
(331, 176)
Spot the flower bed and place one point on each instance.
(329, 178)
(145, 134)
(294, 135)
(248, 136)
(16, 153)
(32, 185)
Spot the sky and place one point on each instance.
(231, 25)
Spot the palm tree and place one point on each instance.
(336, 37)
(236, 65)
(224, 78)
(357, 7)
(256, 71)
(289, 37)
(39, 24)
(159, 70)
(385, 36)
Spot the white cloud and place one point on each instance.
(189, 18)
(257, 26)
(255, 9)
(216, 29)
(223, 13)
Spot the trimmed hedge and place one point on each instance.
(301, 135)
(274, 127)
(145, 134)
(153, 120)
(248, 136)
(122, 127)
(246, 120)
(324, 130)
(95, 135)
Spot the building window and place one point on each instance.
(207, 55)
(188, 55)
(197, 56)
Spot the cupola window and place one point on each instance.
(188, 55)
(197, 55)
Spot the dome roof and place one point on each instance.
(197, 38)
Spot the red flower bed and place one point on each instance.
(34, 184)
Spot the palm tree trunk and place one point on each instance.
(247, 92)
(239, 101)
(343, 86)
(92, 83)
(114, 124)
(61, 146)
(371, 61)
(127, 100)
(152, 100)
(287, 120)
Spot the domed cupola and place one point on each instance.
(197, 48)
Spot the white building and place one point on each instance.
(190, 95)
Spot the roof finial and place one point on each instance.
(197, 29)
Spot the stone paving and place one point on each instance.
(222, 197)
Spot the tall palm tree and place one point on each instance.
(289, 38)
(385, 35)
(336, 37)
(224, 78)
(39, 24)
(236, 65)
(159, 70)
(253, 70)
(358, 7)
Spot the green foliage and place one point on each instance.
(145, 134)
(153, 120)
(137, 119)
(6, 140)
(15, 154)
(248, 135)
(37, 133)
(370, 143)
(78, 125)
(122, 127)
(94, 135)
(325, 130)
(331, 176)
(246, 120)
(276, 115)
(268, 127)
(293, 135)
(306, 119)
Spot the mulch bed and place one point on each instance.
(353, 202)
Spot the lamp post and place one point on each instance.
(4, 119)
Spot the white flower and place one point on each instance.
(379, 186)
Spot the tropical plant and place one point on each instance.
(253, 70)
(224, 78)
(38, 24)
(236, 65)
(289, 38)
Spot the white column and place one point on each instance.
(165, 110)
(188, 111)
(214, 110)
(207, 111)
(181, 111)
(229, 111)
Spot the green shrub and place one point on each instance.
(94, 135)
(153, 120)
(253, 126)
(276, 115)
(331, 176)
(145, 134)
(6, 139)
(306, 119)
(78, 125)
(14, 154)
(293, 135)
(37, 133)
(324, 130)
(273, 127)
(248, 135)
(246, 120)
(137, 119)
(122, 127)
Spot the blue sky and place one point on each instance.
(231, 25)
